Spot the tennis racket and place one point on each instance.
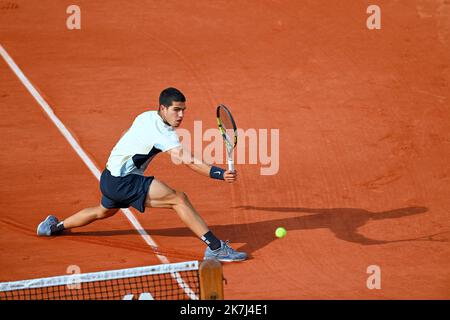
(228, 129)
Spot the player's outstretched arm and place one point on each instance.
(182, 155)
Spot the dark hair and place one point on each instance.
(170, 95)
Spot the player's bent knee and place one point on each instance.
(177, 198)
(169, 199)
(181, 197)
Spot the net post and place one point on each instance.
(211, 280)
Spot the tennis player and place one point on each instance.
(123, 183)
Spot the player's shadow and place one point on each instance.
(343, 222)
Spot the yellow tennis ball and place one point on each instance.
(280, 232)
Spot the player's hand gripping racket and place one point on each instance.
(228, 129)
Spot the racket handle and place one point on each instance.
(231, 165)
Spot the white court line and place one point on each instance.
(82, 154)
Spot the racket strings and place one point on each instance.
(228, 126)
(225, 119)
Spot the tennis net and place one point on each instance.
(174, 281)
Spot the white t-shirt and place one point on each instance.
(147, 136)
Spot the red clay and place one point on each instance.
(364, 139)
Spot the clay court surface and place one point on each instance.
(363, 116)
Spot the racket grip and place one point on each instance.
(231, 165)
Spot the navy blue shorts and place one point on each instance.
(123, 192)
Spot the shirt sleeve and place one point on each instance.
(168, 141)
